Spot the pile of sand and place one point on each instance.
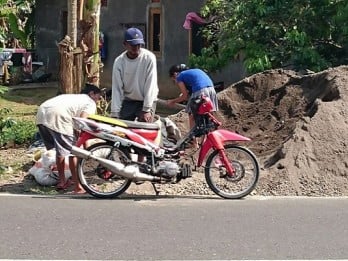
(298, 125)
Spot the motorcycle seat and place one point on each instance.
(125, 123)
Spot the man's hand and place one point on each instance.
(145, 116)
(170, 103)
(115, 115)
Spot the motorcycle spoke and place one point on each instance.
(95, 179)
(98, 180)
(244, 179)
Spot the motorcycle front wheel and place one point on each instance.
(98, 180)
(244, 179)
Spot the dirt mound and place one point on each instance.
(298, 125)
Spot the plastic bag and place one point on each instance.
(45, 171)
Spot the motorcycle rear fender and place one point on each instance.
(216, 140)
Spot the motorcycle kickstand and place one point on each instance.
(155, 189)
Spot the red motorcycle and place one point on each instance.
(107, 168)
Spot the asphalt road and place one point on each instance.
(158, 228)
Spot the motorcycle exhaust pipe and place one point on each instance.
(129, 172)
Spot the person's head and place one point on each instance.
(92, 91)
(133, 40)
(176, 69)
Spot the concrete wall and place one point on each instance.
(113, 20)
(49, 31)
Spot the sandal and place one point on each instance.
(67, 184)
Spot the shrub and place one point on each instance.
(5, 121)
(20, 132)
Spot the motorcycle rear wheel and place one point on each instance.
(96, 179)
(246, 172)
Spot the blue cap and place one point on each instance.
(134, 36)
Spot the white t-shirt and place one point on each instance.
(57, 112)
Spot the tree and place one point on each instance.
(79, 50)
(297, 34)
(90, 40)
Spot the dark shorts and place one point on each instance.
(54, 140)
(130, 110)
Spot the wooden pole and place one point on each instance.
(90, 40)
(66, 65)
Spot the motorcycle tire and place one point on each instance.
(97, 180)
(246, 175)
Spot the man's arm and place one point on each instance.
(117, 92)
(151, 85)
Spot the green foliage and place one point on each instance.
(17, 132)
(17, 31)
(299, 34)
(103, 107)
(3, 89)
(5, 121)
(21, 133)
(18, 17)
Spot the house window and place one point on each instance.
(155, 31)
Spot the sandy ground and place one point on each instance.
(299, 130)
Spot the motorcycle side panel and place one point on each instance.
(135, 137)
(145, 138)
(150, 135)
(216, 140)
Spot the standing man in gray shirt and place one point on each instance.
(134, 80)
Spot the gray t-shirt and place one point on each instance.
(134, 79)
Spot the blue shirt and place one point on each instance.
(194, 80)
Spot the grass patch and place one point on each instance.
(24, 102)
(18, 108)
(41, 190)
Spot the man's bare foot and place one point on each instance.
(78, 189)
(77, 192)
(64, 185)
